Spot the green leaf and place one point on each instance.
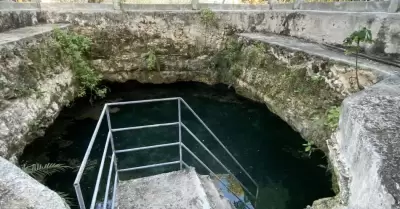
(39, 171)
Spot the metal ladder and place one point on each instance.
(114, 165)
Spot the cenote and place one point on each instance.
(268, 148)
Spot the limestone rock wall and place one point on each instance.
(34, 86)
(298, 87)
(20, 191)
(17, 19)
(365, 150)
(290, 83)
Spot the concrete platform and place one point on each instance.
(318, 50)
(174, 190)
(27, 32)
(215, 196)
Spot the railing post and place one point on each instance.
(180, 133)
(38, 4)
(111, 135)
(394, 6)
(78, 192)
(297, 4)
(117, 4)
(195, 5)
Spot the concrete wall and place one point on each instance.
(350, 6)
(317, 26)
(354, 6)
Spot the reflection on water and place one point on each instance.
(265, 145)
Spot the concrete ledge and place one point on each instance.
(350, 6)
(27, 32)
(5, 5)
(128, 7)
(234, 6)
(75, 6)
(354, 6)
(380, 70)
(288, 6)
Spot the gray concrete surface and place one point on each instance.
(322, 51)
(235, 6)
(316, 26)
(76, 7)
(17, 19)
(394, 6)
(9, 5)
(350, 6)
(215, 197)
(159, 7)
(174, 190)
(27, 32)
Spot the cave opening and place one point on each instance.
(268, 148)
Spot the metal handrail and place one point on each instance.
(216, 159)
(114, 159)
(222, 145)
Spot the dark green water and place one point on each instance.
(264, 144)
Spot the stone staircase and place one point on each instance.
(190, 191)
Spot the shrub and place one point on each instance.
(73, 48)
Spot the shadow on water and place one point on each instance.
(264, 144)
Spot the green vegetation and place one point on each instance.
(208, 17)
(309, 147)
(254, 55)
(25, 78)
(73, 48)
(361, 36)
(151, 60)
(226, 59)
(332, 118)
(209, 20)
(40, 172)
(50, 57)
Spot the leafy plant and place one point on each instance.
(254, 55)
(151, 60)
(361, 36)
(73, 48)
(332, 117)
(225, 59)
(40, 172)
(208, 17)
(309, 147)
(67, 199)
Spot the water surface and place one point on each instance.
(265, 145)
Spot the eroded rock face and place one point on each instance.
(366, 148)
(20, 191)
(298, 87)
(34, 88)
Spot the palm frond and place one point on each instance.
(39, 171)
(67, 199)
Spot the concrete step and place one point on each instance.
(175, 190)
(214, 195)
(24, 33)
